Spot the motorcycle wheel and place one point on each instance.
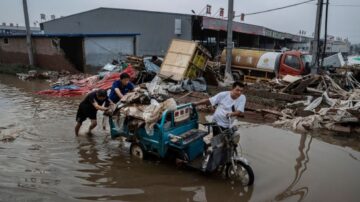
(243, 173)
(137, 151)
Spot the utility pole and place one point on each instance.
(315, 45)
(326, 28)
(229, 44)
(28, 34)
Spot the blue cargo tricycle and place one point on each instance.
(177, 135)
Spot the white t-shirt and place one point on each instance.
(225, 103)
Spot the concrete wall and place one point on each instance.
(102, 50)
(46, 54)
(157, 29)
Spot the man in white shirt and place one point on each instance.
(229, 104)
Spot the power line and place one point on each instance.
(274, 9)
(343, 5)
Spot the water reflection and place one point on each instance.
(148, 180)
(300, 168)
(99, 176)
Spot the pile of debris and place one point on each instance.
(68, 87)
(140, 70)
(341, 115)
(172, 79)
(309, 102)
(147, 67)
(145, 105)
(141, 108)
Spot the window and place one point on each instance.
(292, 61)
(306, 58)
(6, 40)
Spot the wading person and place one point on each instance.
(121, 87)
(229, 104)
(88, 108)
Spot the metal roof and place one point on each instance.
(221, 24)
(72, 35)
(120, 9)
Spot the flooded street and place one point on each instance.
(46, 162)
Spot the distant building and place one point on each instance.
(338, 46)
(14, 29)
(332, 46)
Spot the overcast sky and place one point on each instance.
(344, 15)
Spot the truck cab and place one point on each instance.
(294, 63)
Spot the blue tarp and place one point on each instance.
(68, 87)
(151, 67)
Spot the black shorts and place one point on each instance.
(83, 113)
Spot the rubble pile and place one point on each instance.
(309, 102)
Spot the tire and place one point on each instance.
(137, 151)
(246, 177)
(238, 75)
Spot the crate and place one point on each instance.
(184, 59)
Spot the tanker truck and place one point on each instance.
(252, 65)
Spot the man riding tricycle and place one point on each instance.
(177, 135)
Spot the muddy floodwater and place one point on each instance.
(46, 162)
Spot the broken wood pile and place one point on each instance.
(136, 62)
(147, 67)
(309, 102)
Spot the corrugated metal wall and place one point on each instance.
(102, 50)
(156, 29)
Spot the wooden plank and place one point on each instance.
(182, 46)
(180, 53)
(177, 60)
